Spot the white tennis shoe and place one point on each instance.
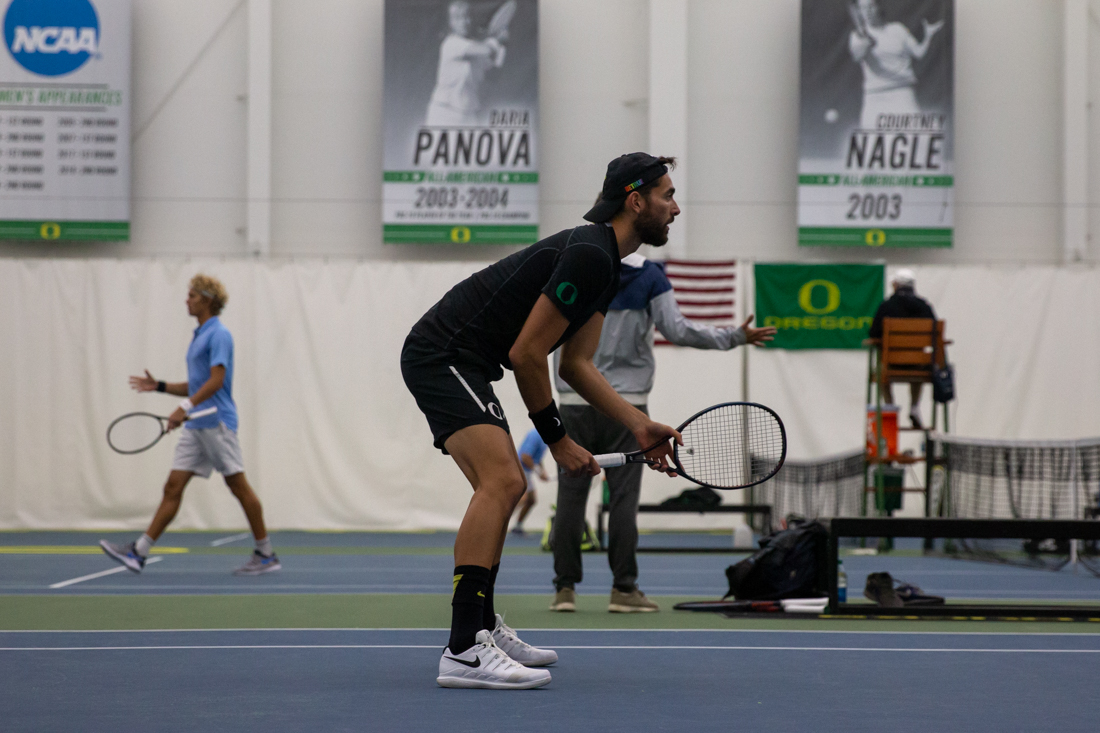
(505, 637)
(485, 666)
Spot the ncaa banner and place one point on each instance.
(876, 143)
(460, 122)
(818, 306)
(65, 120)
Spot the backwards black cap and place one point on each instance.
(624, 174)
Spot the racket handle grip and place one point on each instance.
(611, 460)
(201, 413)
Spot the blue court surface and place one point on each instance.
(348, 636)
(353, 680)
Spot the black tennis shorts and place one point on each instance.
(452, 388)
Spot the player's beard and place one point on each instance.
(651, 228)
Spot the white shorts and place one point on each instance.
(201, 451)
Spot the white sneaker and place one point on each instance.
(506, 639)
(486, 667)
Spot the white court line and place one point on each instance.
(556, 630)
(102, 573)
(227, 540)
(940, 650)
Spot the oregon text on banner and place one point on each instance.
(818, 306)
(876, 143)
(460, 122)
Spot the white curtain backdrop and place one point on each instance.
(331, 437)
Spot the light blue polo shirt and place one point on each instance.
(212, 346)
(533, 446)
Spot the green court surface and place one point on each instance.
(384, 580)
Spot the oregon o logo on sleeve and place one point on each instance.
(567, 293)
(50, 230)
(51, 37)
(806, 297)
(875, 237)
(460, 235)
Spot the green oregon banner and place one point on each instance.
(818, 306)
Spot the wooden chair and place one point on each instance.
(907, 352)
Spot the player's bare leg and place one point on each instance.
(133, 555)
(263, 560)
(525, 505)
(253, 510)
(487, 457)
(169, 504)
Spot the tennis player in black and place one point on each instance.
(512, 315)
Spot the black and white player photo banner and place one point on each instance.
(460, 122)
(876, 142)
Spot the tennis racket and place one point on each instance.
(139, 431)
(786, 605)
(498, 24)
(729, 446)
(859, 22)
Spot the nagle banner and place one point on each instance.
(876, 156)
(818, 306)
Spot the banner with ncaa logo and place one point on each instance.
(876, 143)
(818, 306)
(461, 120)
(65, 120)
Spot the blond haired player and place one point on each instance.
(207, 443)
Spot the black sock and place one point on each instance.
(489, 616)
(471, 583)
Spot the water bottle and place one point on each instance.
(841, 583)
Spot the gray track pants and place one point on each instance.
(597, 433)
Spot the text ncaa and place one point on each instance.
(51, 37)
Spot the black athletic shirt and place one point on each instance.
(904, 303)
(578, 269)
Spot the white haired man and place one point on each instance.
(904, 303)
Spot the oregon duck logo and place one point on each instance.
(567, 293)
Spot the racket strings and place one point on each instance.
(732, 446)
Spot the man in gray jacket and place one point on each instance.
(625, 357)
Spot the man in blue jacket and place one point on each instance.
(625, 357)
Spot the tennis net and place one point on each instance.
(824, 488)
(992, 479)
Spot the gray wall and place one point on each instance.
(190, 111)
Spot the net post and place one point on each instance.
(1076, 503)
(928, 458)
(832, 553)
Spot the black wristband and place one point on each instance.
(548, 422)
(162, 387)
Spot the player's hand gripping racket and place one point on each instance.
(730, 446)
(138, 431)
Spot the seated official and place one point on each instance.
(904, 303)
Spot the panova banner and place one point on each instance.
(65, 120)
(461, 121)
(876, 145)
(818, 306)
